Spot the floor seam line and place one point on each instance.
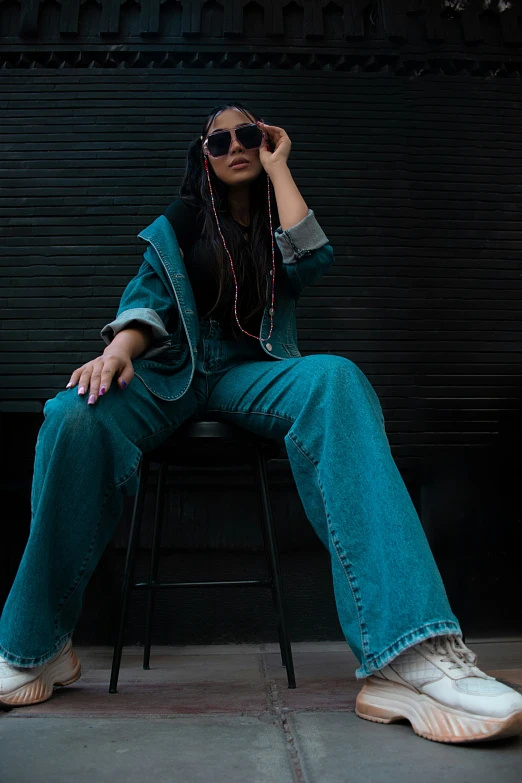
(278, 711)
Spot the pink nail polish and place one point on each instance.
(92, 399)
(102, 390)
(81, 390)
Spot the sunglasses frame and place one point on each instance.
(230, 132)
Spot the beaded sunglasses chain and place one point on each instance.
(271, 310)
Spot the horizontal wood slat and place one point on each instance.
(416, 183)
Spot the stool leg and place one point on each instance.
(273, 554)
(154, 558)
(266, 544)
(132, 549)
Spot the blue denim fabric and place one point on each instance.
(161, 295)
(388, 591)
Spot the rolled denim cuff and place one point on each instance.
(161, 339)
(300, 240)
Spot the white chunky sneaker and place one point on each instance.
(21, 687)
(436, 686)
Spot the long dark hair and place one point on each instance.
(253, 260)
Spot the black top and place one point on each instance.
(188, 225)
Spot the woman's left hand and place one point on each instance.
(282, 146)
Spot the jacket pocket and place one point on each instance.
(291, 349)
(174, 357)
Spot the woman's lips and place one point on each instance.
(239, 165)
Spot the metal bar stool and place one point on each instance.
(203, 443)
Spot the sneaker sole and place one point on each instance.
(63, 671)
(380, 703)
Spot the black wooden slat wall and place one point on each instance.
(416, 182)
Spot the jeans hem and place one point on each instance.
(427, 631)
(30, 663)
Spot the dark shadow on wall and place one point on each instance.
(472, 513)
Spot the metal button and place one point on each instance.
(268, 347)
(271, 311)
(271, 271)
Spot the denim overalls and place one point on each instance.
(388, 590)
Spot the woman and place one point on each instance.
(224, 342)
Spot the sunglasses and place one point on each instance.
(218, 143)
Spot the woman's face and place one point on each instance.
(229, 119)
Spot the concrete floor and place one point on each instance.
(224, 714)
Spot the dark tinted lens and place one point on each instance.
(219, 143)
(250, 136)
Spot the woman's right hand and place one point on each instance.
(99, 373)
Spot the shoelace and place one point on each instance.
(452, 649)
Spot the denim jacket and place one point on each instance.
(161, 296)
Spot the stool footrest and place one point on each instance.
(228, 583)
(201, 444)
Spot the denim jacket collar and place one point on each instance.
(162, 238)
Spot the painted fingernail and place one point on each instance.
(92, 399)
(81, 390)
(124, 384)
(69, 384)
(102, 390)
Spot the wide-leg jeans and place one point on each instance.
(388, 591)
